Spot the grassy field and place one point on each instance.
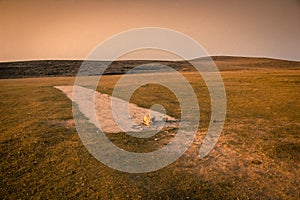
(256, 157)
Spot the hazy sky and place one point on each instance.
(70, 29)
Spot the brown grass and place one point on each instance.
(256, 157)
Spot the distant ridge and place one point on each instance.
(48, 68)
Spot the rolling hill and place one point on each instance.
(50, 68)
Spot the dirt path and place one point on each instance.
(131, 121)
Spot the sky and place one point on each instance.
(70, 29)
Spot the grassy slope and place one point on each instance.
(257, 155)
(52, 68)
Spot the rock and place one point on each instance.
(257, 162)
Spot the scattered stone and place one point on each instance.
(147, 120)
(256, 162)
(217, 121)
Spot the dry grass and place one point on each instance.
(256, 157)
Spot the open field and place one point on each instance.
(256, 157)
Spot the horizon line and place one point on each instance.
(161, 60)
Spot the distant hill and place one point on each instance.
(45, 68)
(228, 63)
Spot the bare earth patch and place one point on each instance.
(105, 119)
